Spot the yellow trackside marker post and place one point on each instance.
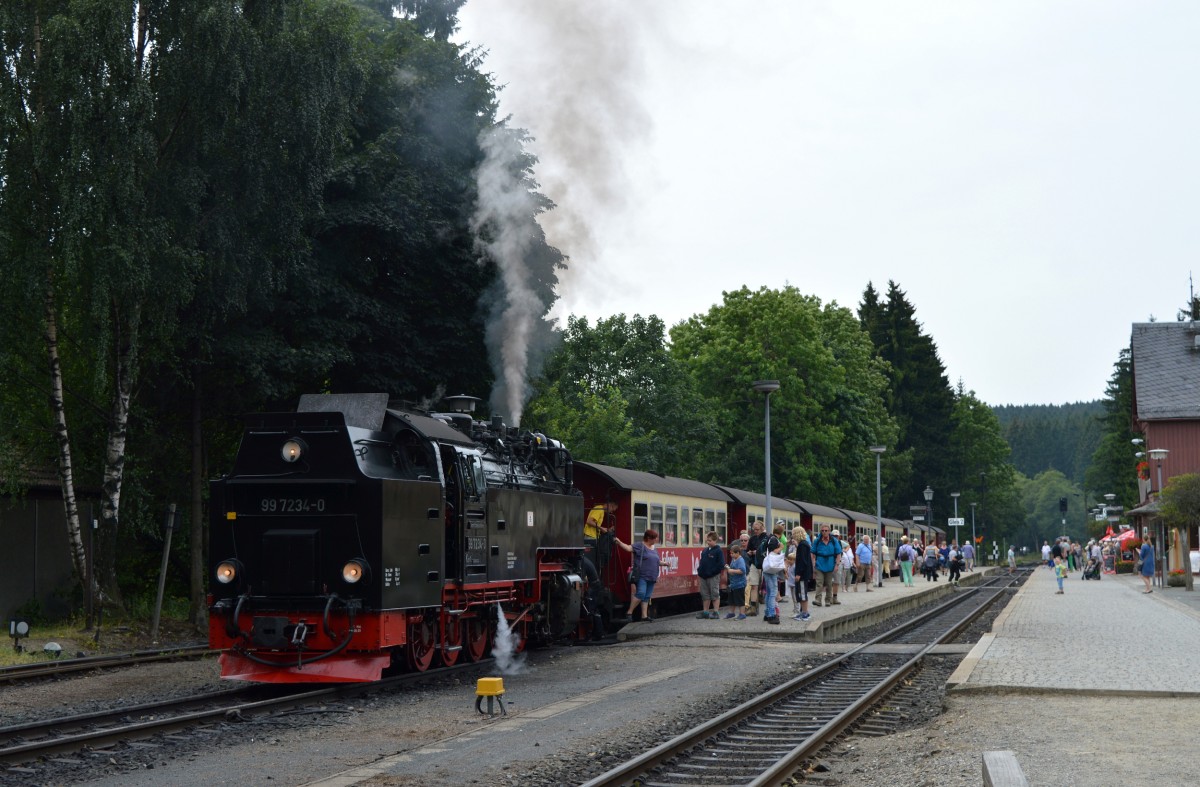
(493, 689)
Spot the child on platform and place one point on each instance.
(1060, 571)
(737, 583)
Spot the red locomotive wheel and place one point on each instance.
(478, 638)
(422, 642)
(452, 640)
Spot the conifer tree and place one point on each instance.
(920, 397)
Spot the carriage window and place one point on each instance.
(656, 519)
(722, 534)
(671, 532)
(639, 520)
(685, 520)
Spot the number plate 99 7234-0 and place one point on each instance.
(291, 505)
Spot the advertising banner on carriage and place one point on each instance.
(677, 571)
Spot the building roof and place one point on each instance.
(1166, 370)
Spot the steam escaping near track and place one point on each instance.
(505, 228)
(508, 661)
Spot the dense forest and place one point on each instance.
(1052, 437)
(189, 235)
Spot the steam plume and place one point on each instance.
(508, 661)
(505, 225)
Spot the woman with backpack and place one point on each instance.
(905, 554)
(932, 558)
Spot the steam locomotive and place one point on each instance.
(353, 537)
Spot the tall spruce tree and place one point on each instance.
(920, 397)
(1114, 467)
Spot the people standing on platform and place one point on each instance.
(839, 577)
(1146, 558)
(826, 553)
(736, 569)
(956, 566)
(781, 537)
(930, 563)
(883, 561)
(905, 554)
(646, 563)
(1046, 554)
(969, 555)
(772, 557)
(1060, 572)
(864, 558)
(847, 565)
(754, 557)
(708, 571)
(943, 557)
(1056, 551)
(802, 550)
(1012, 559)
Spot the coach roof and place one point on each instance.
(652, 482)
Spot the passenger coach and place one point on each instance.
(682, 511)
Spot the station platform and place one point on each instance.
(1106, 638)
(856, 610)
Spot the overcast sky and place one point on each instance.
(1027, 171)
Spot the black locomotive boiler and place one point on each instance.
(353, 536)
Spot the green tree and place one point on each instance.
(1113, 468)
(622, 366)
(920, 398)
(594, 425)
(1040, 497)
(1180, 507)
(830, 406)
(978, 466)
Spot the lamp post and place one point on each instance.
(1158, 455)
(974, 546)
(929, 508)
(983, 494)
(957, 540)
(767, 387)
(1114, 550)
(877, 450)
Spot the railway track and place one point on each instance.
(105, 730)
(766, 740)
(58, 667)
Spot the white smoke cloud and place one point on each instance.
(571, 73)
(503, 217)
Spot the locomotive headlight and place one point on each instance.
(354, 570)
(227, 571)
(293, 449)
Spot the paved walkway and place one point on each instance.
(1104, 637)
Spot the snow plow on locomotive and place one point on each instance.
(353, 537)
